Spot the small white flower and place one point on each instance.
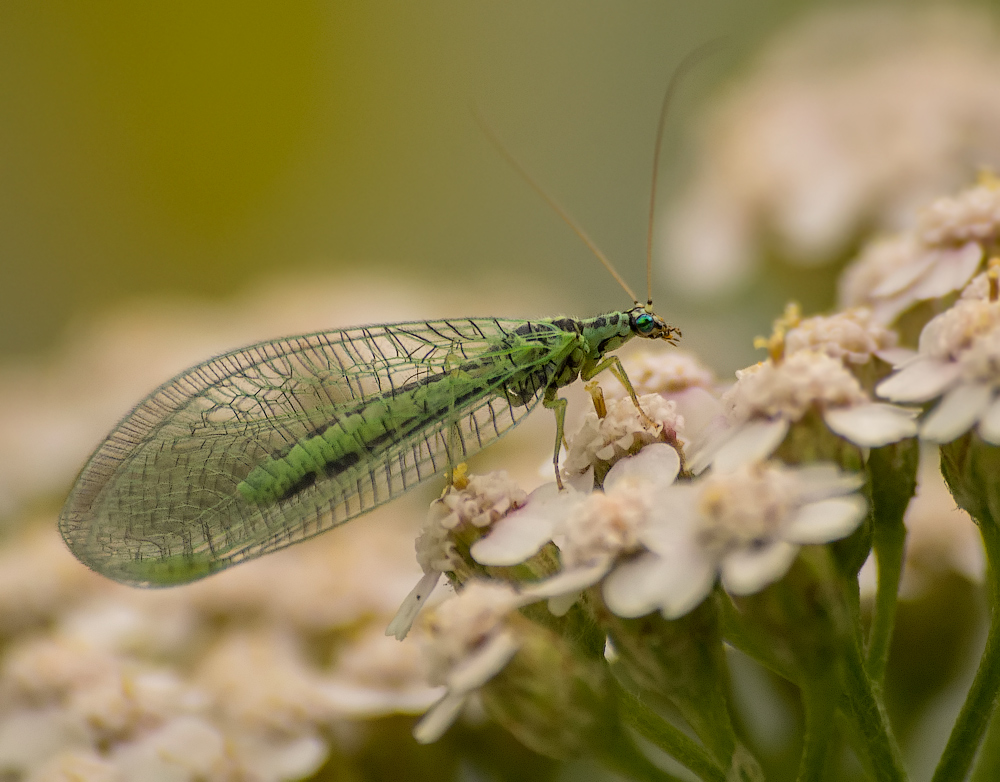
(769, 397)
(891, 275)
(678, 377)
(593, 534)
(853, 336)
(469, 642)
(375, 676)
(959, 361)
(481, 503)
(622, 430)
(746, 526)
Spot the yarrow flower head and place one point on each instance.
(773, 395)
(678, 377)
(938, 257)
(746, 526)
(958, 360)
(854, 336)
(455, 520)
(622, 430)
(807, 153)
(470, 641)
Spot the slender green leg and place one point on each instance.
(558, 406)
(615, 365)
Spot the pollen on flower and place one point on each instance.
(981, 362)
(742, 508)
(485, 499)
(973, 214)
(852, 336)
(606, 525)
(953, 331)
(620, 431)
(790, 388)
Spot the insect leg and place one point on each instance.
(558, 406)
(615, 365)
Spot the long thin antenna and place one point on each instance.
(691, 59)
(553, 203)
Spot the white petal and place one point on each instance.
(699, 408)
(582, 482)
(989, 424)
(826, 520)
(820, 480)
(560, 605)
(439, 718)
(754, 442)
(412, 603)
(919, 381)
(903, 277)
(952, 269)
(570, 581)
(897, 357)
(521, 534)
(485, 663)
(872, 425)
(673, 515)
(749, 570)
(657, 463)
(674, 585)
(957, 412)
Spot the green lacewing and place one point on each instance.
(272, 444)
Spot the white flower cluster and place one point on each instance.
(937, 258)
(811, 147)
(958, 360)
(654, 538)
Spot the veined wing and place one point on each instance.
(269, 445)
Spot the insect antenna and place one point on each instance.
(551, 201)
(692, 58)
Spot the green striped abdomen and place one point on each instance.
(362, 435)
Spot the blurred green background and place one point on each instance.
(195, 147)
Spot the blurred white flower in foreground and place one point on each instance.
(469, 642)
(939, 256)
(959, 361)
(849, 121)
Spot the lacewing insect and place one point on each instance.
(274, 443)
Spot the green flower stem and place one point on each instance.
(979, 705)
(890, 539)
(893, 474)
(624, 757)
(741, 636)
(820, 702)
(864, 706)
(651, 726)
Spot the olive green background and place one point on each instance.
(192, 147)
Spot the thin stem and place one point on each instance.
(893, 473)
(820, 702)
(864, 706)
(979, 705)
(890, 539)
(651, 726)
(737, 633)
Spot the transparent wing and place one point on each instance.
(164, 499)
